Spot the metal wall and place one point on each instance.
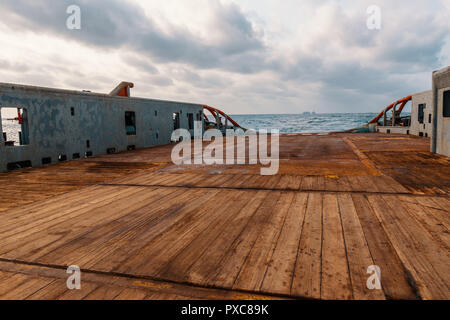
(441, 80)
(98, 123)
(425, 128)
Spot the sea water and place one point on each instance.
(285, 123)
(304, 123)
(12, 129)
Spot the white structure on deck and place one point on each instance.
(440, 142)
(430, 114)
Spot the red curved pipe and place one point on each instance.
(19, 117)
(215, 111)
(402, 101)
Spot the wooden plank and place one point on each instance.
(215, 250)
(366, 184)
(105, 293)
(50, 292)
(11, 283)
(132, 294)
(271, 182)
(91, 242)
(208, 180)
(229, 267)
(34, 241)
(335, 283)
(306, 280)
(307, 183)
(343, 185)
(355, 184)
(331, 183)
(393, 185)
(159, 251)
(224, 178)
(33, 237)
(426, 217)
(280, 270)
(283, 183)
(177, 180)
(414, 247)
(254, 269)
(130, 252)
(251, 183)
(358, 253)
(241, 183)
(294, 182)
(435, 206)
(231, 182)
(86, 289)
(31, 221)
(319, 183)
(26, 289)
(395, 282)
(32, 213)
(178, 267)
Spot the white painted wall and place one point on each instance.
(425, 128)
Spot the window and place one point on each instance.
(18, 165)
(446, 104)
(88, 144)
(46, 161)
(72, 111)
(430, 118)
(191, 121)
(421, 113)
(130, 123)
(176, 121)
(156, 113)
(199, 116)
(15, 126)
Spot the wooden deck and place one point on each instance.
(142, 228)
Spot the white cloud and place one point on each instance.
(248, 56)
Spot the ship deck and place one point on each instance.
(140, 227)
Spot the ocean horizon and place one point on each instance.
(285, 123)
(304, 123)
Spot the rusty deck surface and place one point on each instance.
(142, 228)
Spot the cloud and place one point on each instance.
(117, 24)
(247, 56)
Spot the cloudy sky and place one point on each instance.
(243, 56)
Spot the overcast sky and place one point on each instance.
(243, 56)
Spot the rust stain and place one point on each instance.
(363, 158)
